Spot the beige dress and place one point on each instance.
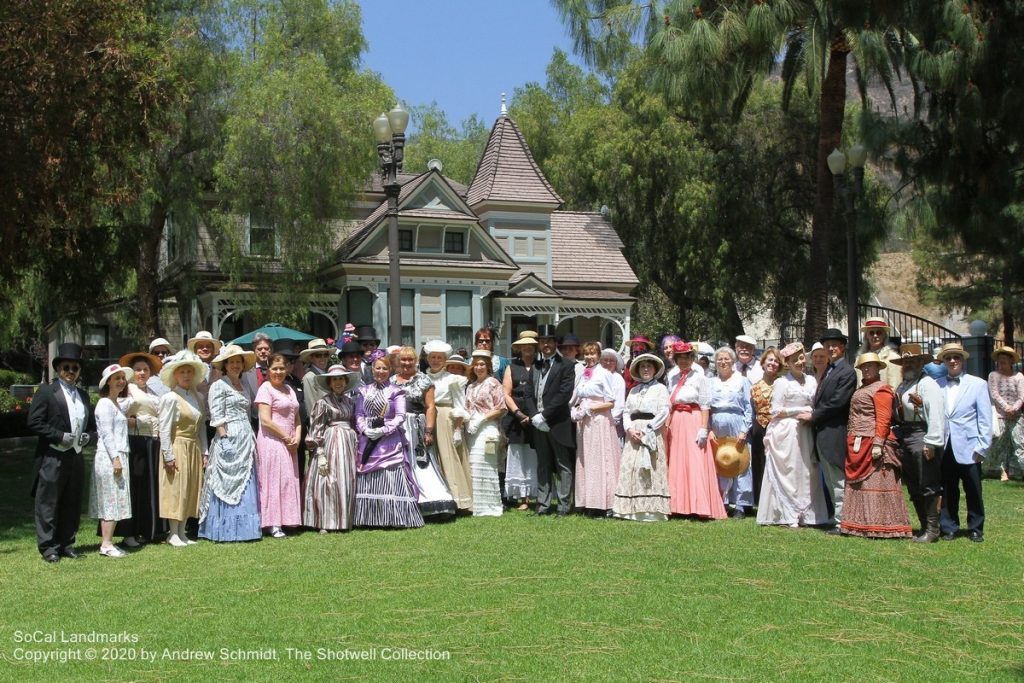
(183, 438)
(450, 400)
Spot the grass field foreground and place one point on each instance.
(520, 598)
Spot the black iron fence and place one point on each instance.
(904, 327)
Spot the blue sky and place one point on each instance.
(461, 53)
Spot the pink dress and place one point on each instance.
(692, 479)
(277, 470)
(598, 452)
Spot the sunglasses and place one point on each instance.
(70, 367)
(321, 355)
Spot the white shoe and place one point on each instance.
(276, 532)
(176, 541)
(189, 541)
(130, 542)
(112, 551)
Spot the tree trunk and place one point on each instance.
(148, 274)
(1008, 322)
(830, 130)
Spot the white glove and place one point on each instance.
(473, 426)
(702, 438)
(67, 440)
(374, 432)
(457, 437)
(876, 452)
(540, 423)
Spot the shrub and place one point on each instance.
(9, 377)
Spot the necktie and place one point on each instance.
(743, 369)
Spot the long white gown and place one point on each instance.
(791, 491)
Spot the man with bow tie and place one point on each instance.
(968, 437)
(831, 410)
(63, 419)
(554, 435)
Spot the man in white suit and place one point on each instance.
(968, 436)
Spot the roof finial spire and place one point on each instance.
(504, 110)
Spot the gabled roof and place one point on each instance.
(507, 171)
(586, 249)
(410, 185)
(528, 284)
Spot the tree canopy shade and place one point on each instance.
(962, 159)
(83, 88)
(706, 58)
(458, 150)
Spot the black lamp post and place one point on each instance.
(389, 129)
(849, 191)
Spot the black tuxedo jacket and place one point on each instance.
(49, 418)
(558, 387)
(832, 410)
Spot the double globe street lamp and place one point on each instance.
(389, 130)
(850, 190)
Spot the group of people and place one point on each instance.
(246, 444)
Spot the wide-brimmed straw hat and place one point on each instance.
(481, 353)
(179, 360)
(129, 359)
(1009, 351)
(313, 347)
(232, 350)
(324, 380)
(731, 461)
(158, 342)
(647, 358)
(869, 357)
(952, 348)
(456, 359)
(204, 336)
(909, 352)
(526, 338)
(112, 370)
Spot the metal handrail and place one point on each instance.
(904, 327)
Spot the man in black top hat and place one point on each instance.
(829, 416)
(554, 435)
(369, 341)
(64, 421)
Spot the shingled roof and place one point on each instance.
(602, 262)
(507, 171)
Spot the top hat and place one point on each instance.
(68, 351)
(546, 332)
(351, 346)
(367, 333)
(286, 347)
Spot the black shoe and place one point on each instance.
(737, 513)
(951, 536)
(563, 513)
(541, 512)
(52, 558)
(834, 531)
(72, 553)
(976, 537)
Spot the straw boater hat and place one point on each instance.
(112, 370)
(875, 324)
(129, 359)
(204, 336)
(870, 357)
(952, 349)
(659, 365)
(456, 359)
(729, 460)
(232, 350)
(909, 352)
(1009, 351)
(481, 353)
(526, 338)
(438, 346)
(324, 380)
(179, 360)
(314, 346)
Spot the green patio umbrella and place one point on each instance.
(275, 331)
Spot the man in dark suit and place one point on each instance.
(64, 422)
(554, 435)
(829, 417)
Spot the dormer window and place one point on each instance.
(262, 236)
(405, 242)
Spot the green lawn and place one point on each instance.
(528, 599)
